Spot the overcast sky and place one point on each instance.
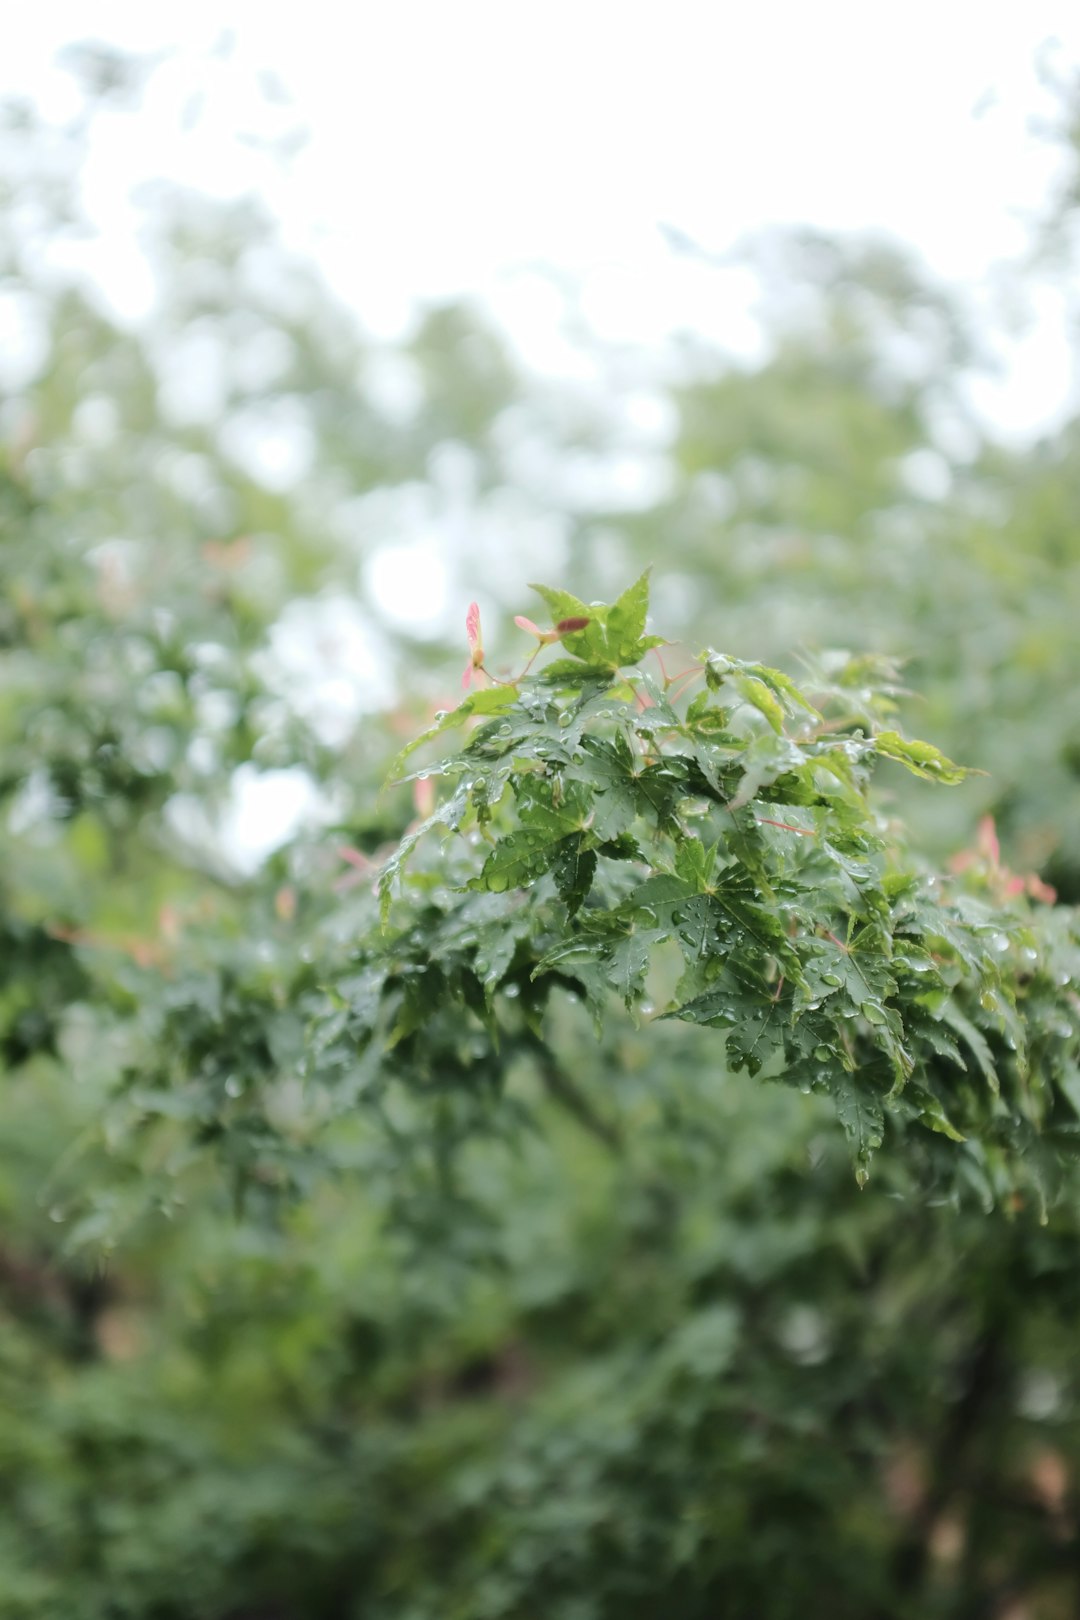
(449, 142)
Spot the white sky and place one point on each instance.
(452, 141)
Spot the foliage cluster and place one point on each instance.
(346, 1268)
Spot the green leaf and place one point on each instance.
(564, 605)
(975, 1042)
(590, 644)
(627, 641)
(784, 687)
(780, 691)
(933, 1116)
(449, 815)
(860, 1113)
(766, 757)
(489, 700)
(568, 672)
(573, 869)
(582, 961)
(734, 894)
(694, 864)
(921, 758)
(717, 1007)
(628, 963)
(614, 637)
(626, 619)
(862, 971)
(661, 890)
(757, 694)
(517, 859)
(757, 1036)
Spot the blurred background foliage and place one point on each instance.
(698, 1372)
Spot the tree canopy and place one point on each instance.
(618, 1149)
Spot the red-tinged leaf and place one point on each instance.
(986, 841)
(356, 857)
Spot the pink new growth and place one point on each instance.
(362, 868)
(565, 627)
(423, 794)
(987, 855)
(476, 654)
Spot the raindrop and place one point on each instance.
(873, 1012)
(233, 1086)
(833, 979)
(441, 714)
(999, 943)
(1029, 954)
(822, 1054)
(511, 991)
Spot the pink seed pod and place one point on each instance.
(476, 653)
